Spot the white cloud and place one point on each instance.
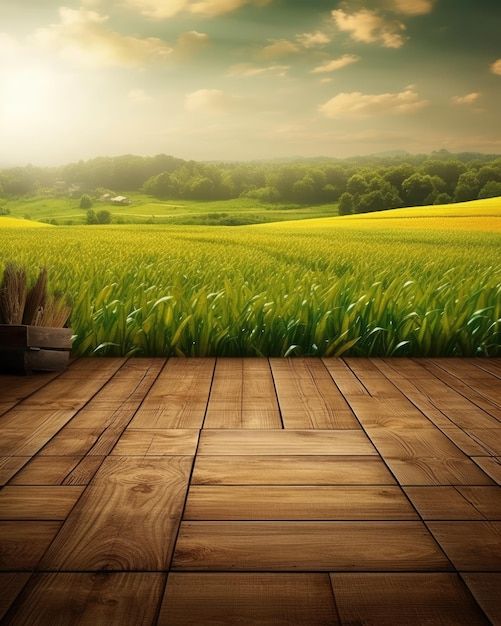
(496, 67)
(190, 43)
(83, 35)
(335, 64)
(312, 40)
(164, 9)
(469, 98)
(358, 104)
(248, 69)
(279, 48)
(139, 96)
(412, 7)
(367, 26)
(213, 101)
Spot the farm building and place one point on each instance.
(120, 200)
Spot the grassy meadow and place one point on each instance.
(416, 282)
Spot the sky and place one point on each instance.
(247, 79)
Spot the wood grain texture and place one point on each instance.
(307, 546)
(471, 546)
(491, 466)
(486, 500)
(79, 599)
(157, 442)
(308, 397)
(37, 503)
(443, 503)
(126, 519)
(297, 503)
(243, 395)
(10, 466)
(288, 442)
(10, 587)
(84, 472)
(259, 599)
(43, 470)
(290, 470)
(485, 589)
(410, 599)
(22, 544)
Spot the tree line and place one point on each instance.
(359, 185)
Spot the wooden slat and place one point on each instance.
(37, 503)
(388, 413)
(488, 438)
(297, 503)
(486, 500)
(246, 598)
(307, 546)
(410, 599)
(22, 544)
(179, 397)
(10, 587)
(471, 546)
(491, 467)
(288, 442)
(443, 503)
(485, 589)
(344, 378)
(308, 397)
(243, 395)
(13, 389)
(126, 519)
(43, 470)
(10, 465)
(290, 470)
(79, 599)
(158, 442)
(464, 442)
(84, 472)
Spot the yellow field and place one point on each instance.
(14, 222)
(479, 215)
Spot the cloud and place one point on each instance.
(139, 96)
(335, 64)
(164, 9)
(84, 36)
(367, 26)
(496, 67)
(358, 104)
(190, 43)
(469, 98)
(212, 101)
(412, 7)
(312, 40)
(248, 69)
(279, 48)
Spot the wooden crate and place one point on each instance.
(24, 349)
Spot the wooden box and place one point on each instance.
(24, 349)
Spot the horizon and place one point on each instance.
(247, 80)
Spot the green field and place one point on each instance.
(146, 209)
(420, 282)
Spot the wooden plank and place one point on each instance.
(246, 598)
(65, 393)
(23, 543)
(491, 466)
(442, 503)
(158, 442)
(464, 442)
(98, 367)
(242, 395)
(10, 587)
(471, 546)
(10, 465)
(308, 397)
(485, 589)
(410, 599)
(43, 470)
(488, 438)
(13, 389)
(71, 442)
(344, 378)
(486, 500)
(493, 366)
(37, 503)
(290, 470)
(126, 519)
(373, 379)
(297, 503)
(84, 472)
(83, 599)
(288, 442)
(437, 471)
(388, 413)
(307, 546)
(413, 443)
(179, 397)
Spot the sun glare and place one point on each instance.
(28, 95)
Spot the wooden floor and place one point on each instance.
(252, 491)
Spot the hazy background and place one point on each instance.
(246, 79)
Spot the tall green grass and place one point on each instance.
(271, 291)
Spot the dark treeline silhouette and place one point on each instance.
(359, 185)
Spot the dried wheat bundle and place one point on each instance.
(36, 299)
(55, 312)
(13, 293)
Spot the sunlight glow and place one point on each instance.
(29, 95)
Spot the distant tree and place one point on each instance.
(357, 185)
(4, 210)
(85, 201)
(492, 189)
(487, 174)
(396, 175)
(443, 198)
(372, 201)
(448, 169)
(346, 204)
(468, 187)
(417, 189)
(91, 217)
(103, 217)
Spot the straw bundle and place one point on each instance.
(13, 293)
